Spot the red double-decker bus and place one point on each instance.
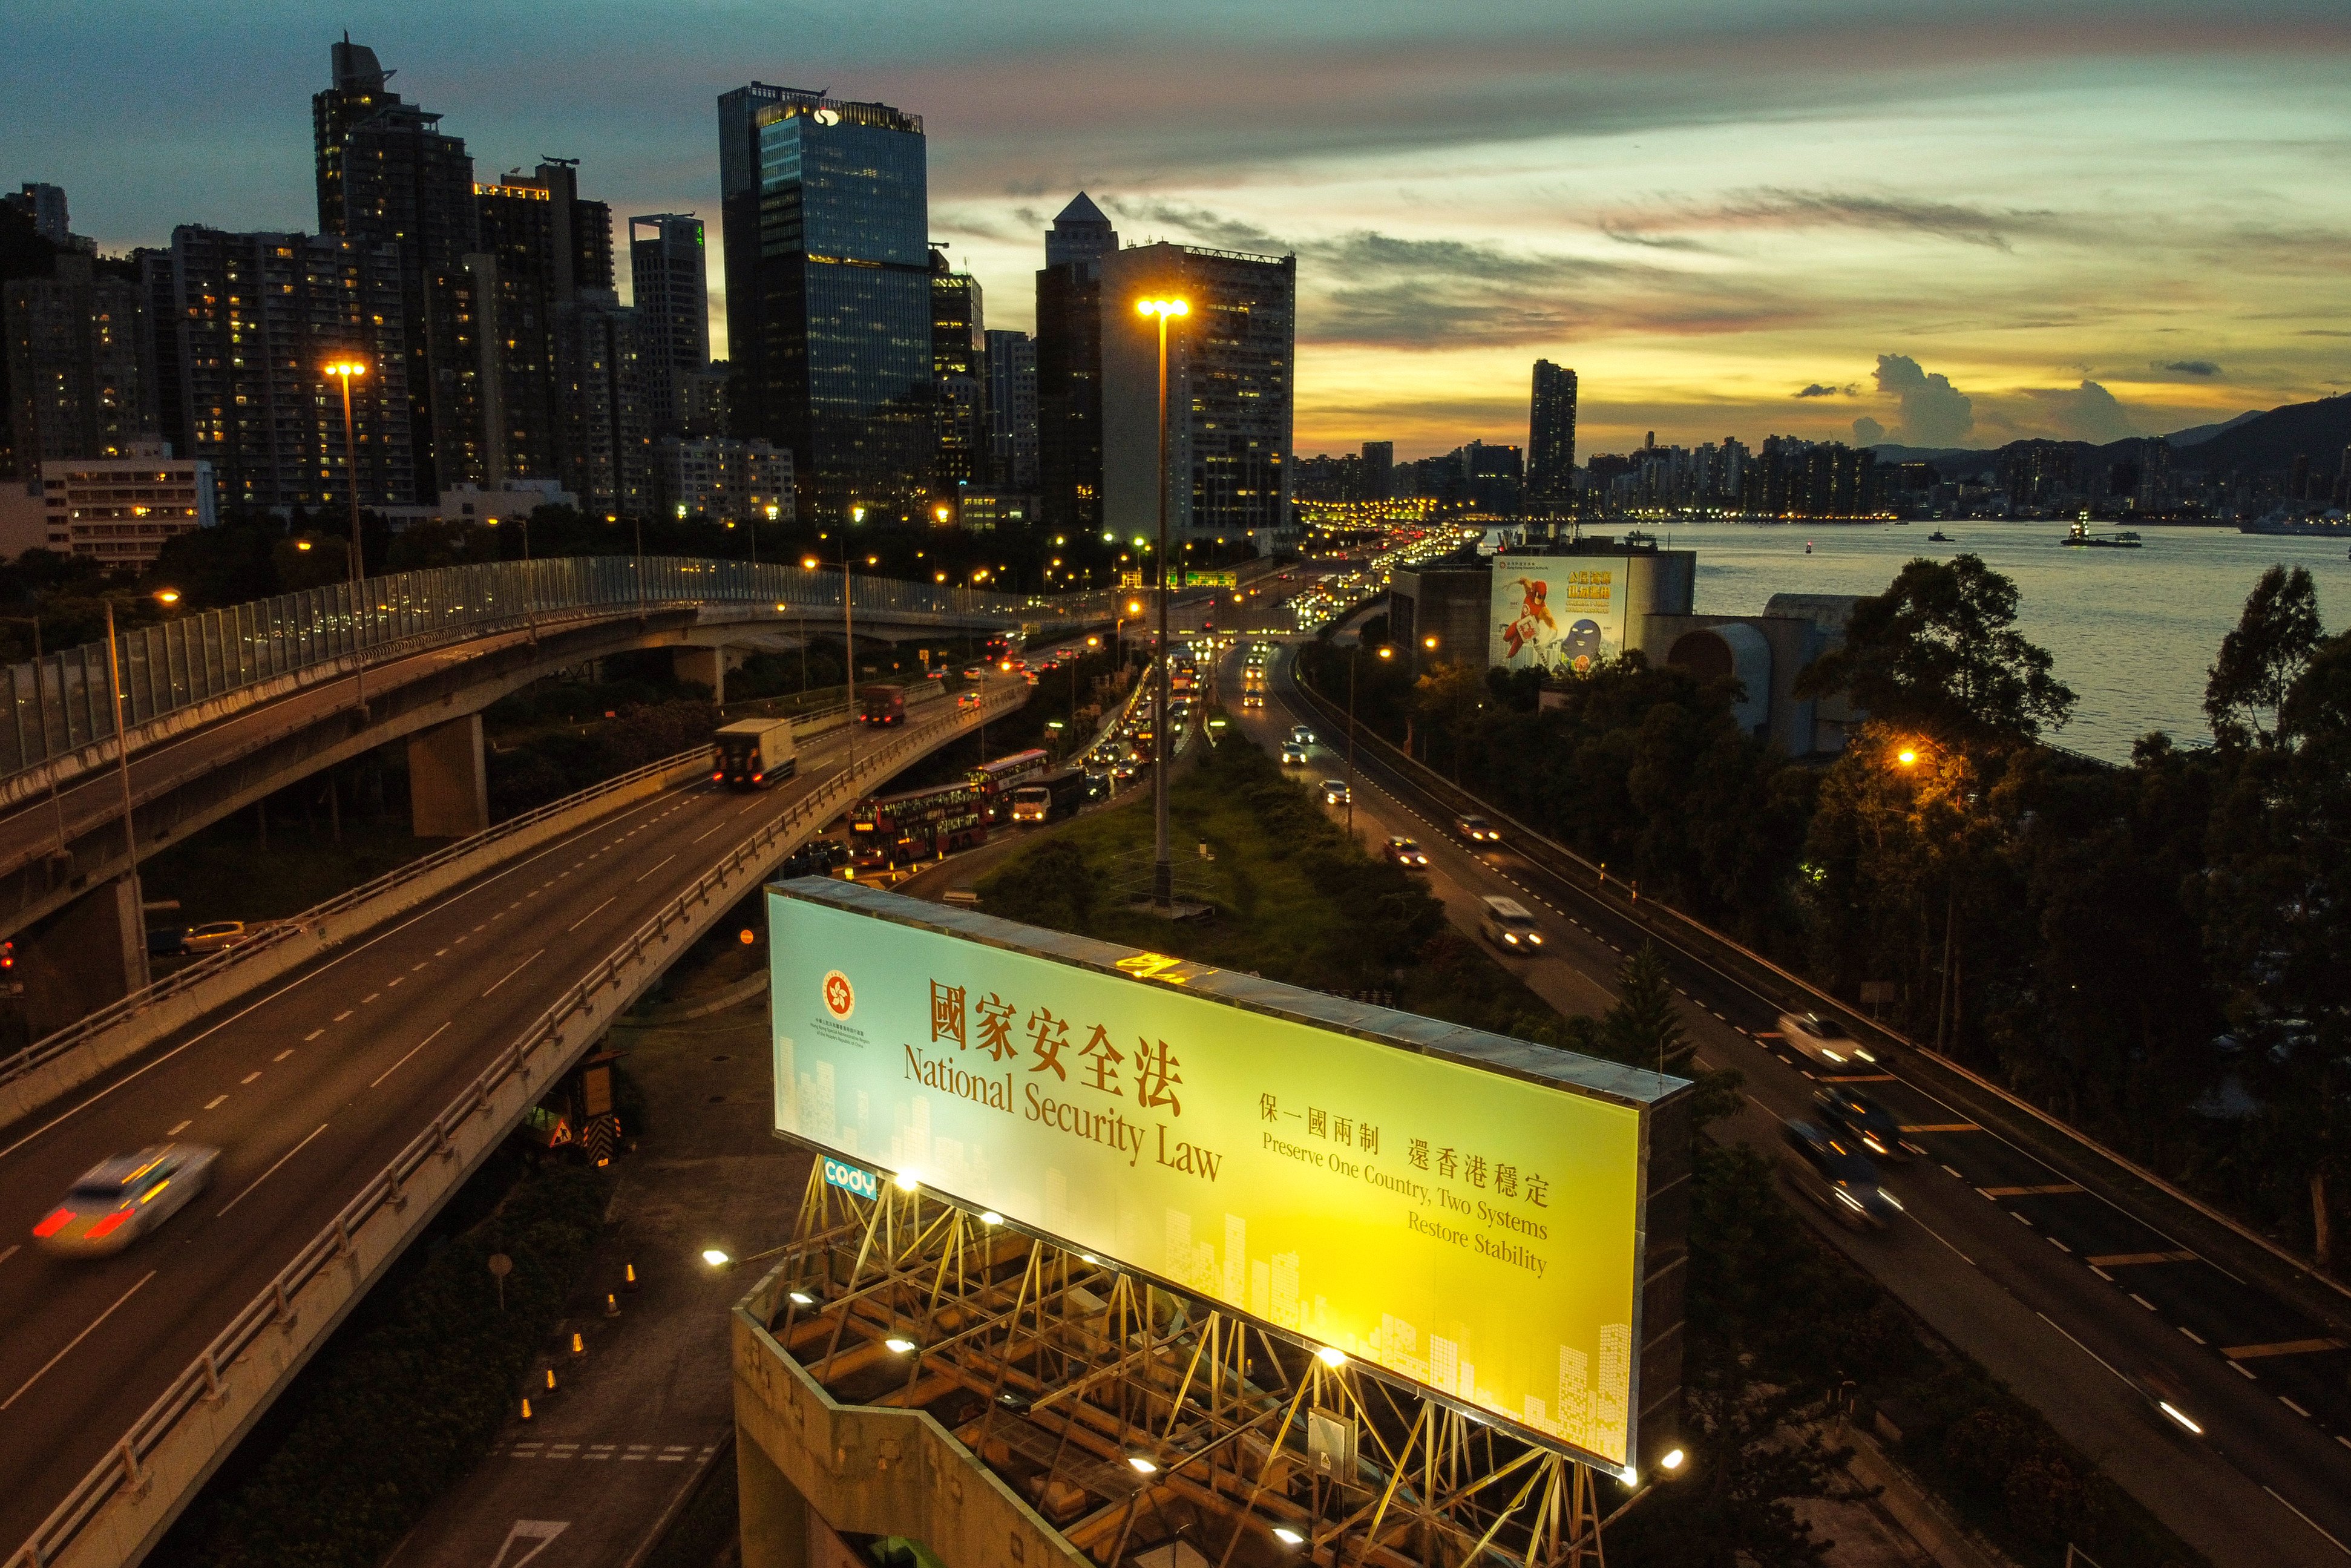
(888, 831)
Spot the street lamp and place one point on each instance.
(1163, 869)
(847, 646)
(1353, 659)
(345, 372)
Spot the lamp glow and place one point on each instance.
(1288, 1536)
(1143, 1466)
(1163, 307)
(715, 1257)
(908, 1181)
(1332, 1355)
(1673, 1461)
(803, 1299)
(991, 1218)
(899, 1346)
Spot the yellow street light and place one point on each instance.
(808, 563)
(1907, 756)
(1162, 309)
(167, 596)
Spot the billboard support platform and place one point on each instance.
(1497, 1224)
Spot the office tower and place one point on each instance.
(721, 478)
(81, 368)
(604, 434)
(254, 318)
(525, 238)
(959, 373)
(829, 293)
(1012, 410)
(386, 175)
(1230, 391)
(1496, 476)
(1070, 366)
(1551, 441)
(1379, 470)
(669, 278)
(45, 207)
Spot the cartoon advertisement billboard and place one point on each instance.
(1563, 613)
(1466, 1211)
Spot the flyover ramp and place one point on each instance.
(313, 1089)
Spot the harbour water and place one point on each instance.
(2132, 632)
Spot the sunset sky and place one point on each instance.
(1953, 223)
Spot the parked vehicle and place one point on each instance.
(754, 753)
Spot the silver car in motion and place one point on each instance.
(117, 1201)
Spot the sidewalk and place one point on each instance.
(634, 1420)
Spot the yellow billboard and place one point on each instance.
(1461, 1209)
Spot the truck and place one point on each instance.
(753, 753)
(880, 705)
(1055, 795)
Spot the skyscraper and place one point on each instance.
(1551, 441)
(1070, 365)
(254, 317)
(386, 175)
(669, 275)
(1012, 410)
(829, 293)
(81, 371)
(45, 206)
(1379, 470)
(959, 373)
(1230, 390)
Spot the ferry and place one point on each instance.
(2079, 537)
(2330, 525)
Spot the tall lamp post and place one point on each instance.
(1163, 867)
(847, 646)
(344, 372)
(1353, 659)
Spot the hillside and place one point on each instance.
(2269, 442)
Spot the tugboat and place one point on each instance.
(2080, 538)
(1938, 537)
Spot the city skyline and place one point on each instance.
(1989, 227)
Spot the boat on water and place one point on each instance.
(2318, 526)
(2079, 537)
(1636, 540)
(1938, 537)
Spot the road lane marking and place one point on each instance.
(2085, 1349)
(2293, 1406)
(1954, 1170)
(10, 1251)
(414, 968)
(2142, 1300)
(213, 1103)
(272, 1171)
(393, 981)
(179, 1129)
(73, 1342)
(585, 918)
(311, 1036)
(369, 998)
(707, 832)
(2241, 1370)
(2049, 1189)
(510, 974)
(2307, 1519)
(282, 1055)
(413, 1050)
(339, 1017)
(247, 1078)
(2059, 1244)
(2102, 1274)
(1944, 1127)
(437, 953)
(652, 868)
(2281, 1347)
(2124, 1259)
(2198, 1338)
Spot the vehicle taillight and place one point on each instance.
(109, 1225)
(57, 1220)
(755, 777)
(718, 777)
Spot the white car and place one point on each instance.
(1302, 736)
(1506, 923)
(1336, 792)
(1294, 757)
(117, 1201)
(1822, 1039)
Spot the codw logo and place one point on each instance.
(852, 1180)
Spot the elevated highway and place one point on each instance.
(350, 1099)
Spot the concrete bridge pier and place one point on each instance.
(706, 666)
(448, 781)
(93, 953)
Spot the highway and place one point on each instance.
(2081, 1308)
(308, 1089)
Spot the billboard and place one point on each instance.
(1461, 1209)
(1561, 612)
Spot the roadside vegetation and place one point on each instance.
(2155, 953)
(1767, 1386)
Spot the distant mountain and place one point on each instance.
(2269, 442)
(1887, 452)
(2196, 434)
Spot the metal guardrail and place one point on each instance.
(57, 704)
(1701, 943)
(121, 1466)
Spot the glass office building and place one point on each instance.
(829, 293)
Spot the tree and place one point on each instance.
(1644, 1026)
(2273, 640)
(1938, 650)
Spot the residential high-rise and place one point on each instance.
(1012, 410)
(1379, 470)
(1070, 365)
(1551, 441)
(387, 174)
(44, 206)
(604, 436)
(829, 293)
(1496, 476)
(669, 280)
(79, 371)
(1230, 390)
(959, 373)
(254, 318)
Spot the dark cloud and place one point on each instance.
(2191, 367)
(1773, 207)
(1934, 412)
(2084, 412)
(1867, 432)
(1818, 389)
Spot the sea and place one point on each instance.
(2132, 632)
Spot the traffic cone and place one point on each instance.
(629, 1276)
(612, 1305)
(525, 1409)
(579, 1345)
(550, 1380)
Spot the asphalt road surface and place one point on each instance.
(2083, 1309)
(309, 1090)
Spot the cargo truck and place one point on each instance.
(753, 753)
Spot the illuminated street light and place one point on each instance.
(1143, 1466)
(345, 372)
(899, 1346)
(1332, 1355)
(909, 1180)
(715, 1257)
